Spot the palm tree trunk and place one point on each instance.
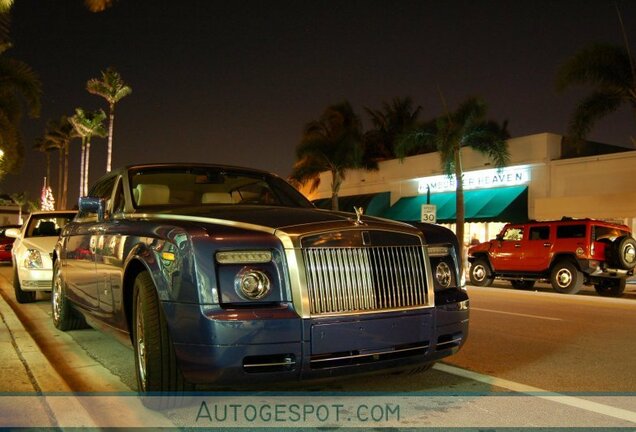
(111, 118)
(336, 181)
(59, 177)
(88, 155)
(48, 169)
(65, 187)
(459, 202)
(82, 169)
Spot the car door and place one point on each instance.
(506, 252)
(109, 256)
(82, 244)
(537, 247)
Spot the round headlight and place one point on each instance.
(33, 259)
(252, 284)
(443, 274)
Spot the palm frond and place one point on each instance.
(590, 110)
(603, 65)
(17, 76)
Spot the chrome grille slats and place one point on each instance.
(344, 280)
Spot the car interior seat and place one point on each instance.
(216, 198)
(151, 194)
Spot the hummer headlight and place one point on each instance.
(33, 259)
(252, 284)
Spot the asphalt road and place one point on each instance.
(526, 342)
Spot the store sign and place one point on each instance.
(429, 213)
(482, 179)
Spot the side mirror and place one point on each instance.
(12, 232)
(499, 237)
(93, 205)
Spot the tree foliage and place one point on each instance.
(609, 70)
(332, 143)
(389, 122)
(449, 134)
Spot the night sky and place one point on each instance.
(234, 82)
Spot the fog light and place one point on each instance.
(244, 257)
(252, 284)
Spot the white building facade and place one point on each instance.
(536, 184)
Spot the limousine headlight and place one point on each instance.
(252, 284)
(33, 259)
(443, 266)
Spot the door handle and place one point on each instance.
(547, 244)
(517, 245)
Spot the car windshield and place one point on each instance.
(210, 186)
(47, 225)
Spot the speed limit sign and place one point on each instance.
(429, 213)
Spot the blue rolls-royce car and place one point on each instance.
(225, 276)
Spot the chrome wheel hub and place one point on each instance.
(629, 253)
(564, 278)
(141, 348)
(479, 273)
(57, 298)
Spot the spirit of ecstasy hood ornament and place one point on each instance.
(359, 212)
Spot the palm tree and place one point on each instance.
(87, 125)
(112, 88)
(20, 198)
(62, 132)
(610, 70)
(389, 122)
(46, 146)
(18, 83)
(466, 127)
(332, 143)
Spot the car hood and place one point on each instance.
(283, 218)
(44, 244)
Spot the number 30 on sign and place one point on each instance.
(429, 213)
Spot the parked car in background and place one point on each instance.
(6, 243)
(229, 276)
(32, 251)
(568, 252)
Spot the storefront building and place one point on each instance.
(545, 179)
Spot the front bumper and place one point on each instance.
(35, 279)
(243, 347)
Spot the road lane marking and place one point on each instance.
(572, 401)
(517, 314)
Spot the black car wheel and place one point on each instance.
(64, 317)
(566, 278)
(480, 273)
(20, 295)
(155, 360)
(610, 287)
(522, 284)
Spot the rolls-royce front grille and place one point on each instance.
(342, 280)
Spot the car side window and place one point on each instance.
(514, 234)
(539, 233)
(571, 231)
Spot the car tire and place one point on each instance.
(156, 366)
(623, 252)
(522, 284)
(20, 295)
(480, 273)
(611, 287)
(64, 316)
(566, 278)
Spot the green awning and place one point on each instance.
(481, 205)
(373, 204)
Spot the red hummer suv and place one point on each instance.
(567, 252)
